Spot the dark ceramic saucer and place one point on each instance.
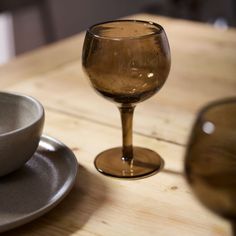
(38, 186)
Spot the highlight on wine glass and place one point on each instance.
(210, 162)
(127, 61)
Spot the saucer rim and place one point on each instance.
(67, 186)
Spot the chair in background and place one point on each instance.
(43, 7)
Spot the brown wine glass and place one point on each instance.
(127, 61)
(210, 162)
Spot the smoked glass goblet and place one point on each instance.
(127, 61)
(210, 162)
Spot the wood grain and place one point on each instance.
(40, 61)
(162, 204)
(203, 69)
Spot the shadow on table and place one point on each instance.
(86, 197)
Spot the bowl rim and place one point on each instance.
(40, 116)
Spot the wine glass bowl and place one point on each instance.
(127, 61)
(210, 162)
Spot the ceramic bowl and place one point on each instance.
(21, 125)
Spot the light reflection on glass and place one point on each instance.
(208, 127)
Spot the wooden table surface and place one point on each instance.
(203, 69)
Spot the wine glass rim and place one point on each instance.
(215, 103)
(158, 26)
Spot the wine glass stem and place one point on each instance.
(126, 112)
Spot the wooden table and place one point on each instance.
(203, 69)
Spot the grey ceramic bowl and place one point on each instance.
(21, 125)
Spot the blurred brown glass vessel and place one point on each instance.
(210, 162)
(127, 61)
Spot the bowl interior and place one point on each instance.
(17, 112)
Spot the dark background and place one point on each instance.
(39, 22)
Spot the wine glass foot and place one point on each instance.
(145, 163)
